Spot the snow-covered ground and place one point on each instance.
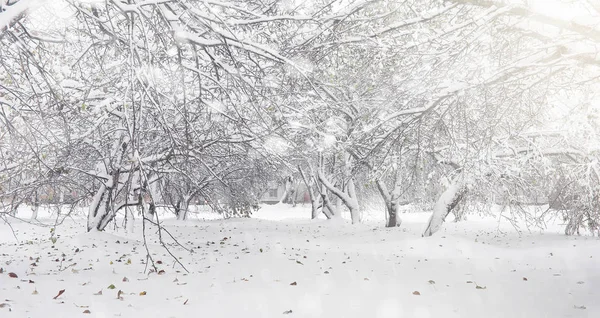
(279, 263)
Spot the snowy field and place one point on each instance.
(280, 264)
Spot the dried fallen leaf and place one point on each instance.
(524, 278)
(365, 278)
(294, 284)
(185, 302)
(98, 293)
(416, 293)
(35, 292)
(12, 275)
(299, 262)
(432, 282)
(87, 311)
(480, 287)
(580, 282)
(161, 272)
(579, 307)
(2, 305)
(125, 279)
(287, 312)
(469, 282)
(119, 293)
(60, 292)
(143, 293)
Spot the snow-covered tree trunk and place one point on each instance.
(390, 199)
(314, 201)
(183, 205)
(36, 207)
(99, 208)
(288, 194)
(350, 201)
(445, 204)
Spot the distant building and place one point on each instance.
(276, 190)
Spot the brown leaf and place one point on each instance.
(119, 293)
(1, 270)
(2, 305)
(98, 293)
(60, 292)
(31, 282)
(161, 272)
(12, 275)
(35, 292)
(143, 293)
(416, 293)
(87, 311)
(125, 279)
(524, 278)
(287, 312)
(185, 302)
(159, 262)
(294, 284)
(365, 278)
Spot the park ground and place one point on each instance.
(281, 264)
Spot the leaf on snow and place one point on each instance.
(432, 282)
(524, 278)
(111, 286)
(60, 292)
(98, 293)
(294, 284)
(416, 293)
(287, 312)
(87, 311)
(480, 287)
(143, 293)
(12, 275)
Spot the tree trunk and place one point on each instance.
(183, 208)
(391, 200)
(350, 201)
(99, 208)
(36, 207)
(444, 205)
(314, 204)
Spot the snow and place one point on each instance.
(340, 270)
